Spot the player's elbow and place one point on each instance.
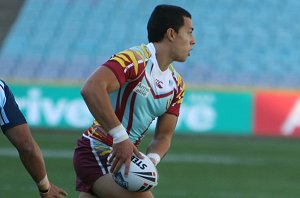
(86, 90)
(89, 88)
(92, 90)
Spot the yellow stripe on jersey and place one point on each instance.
(178, 77)
(133, 59)
(179, 80)
(121, 55)
(180, 84)
(145, 50)
(141, 56)
(180, 101)
(171, 67)
(181, 94)
(119, 60)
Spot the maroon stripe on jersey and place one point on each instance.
(115, 67)
(130, 120)
(117, 111)
(152, 66)
(158, 96)
(120, 110)
(127, 56)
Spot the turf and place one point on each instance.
(196, 166)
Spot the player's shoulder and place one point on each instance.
(137, 55)
(141, 52)
(177, 77)
(2, 86)
(2, 92)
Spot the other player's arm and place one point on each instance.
(162, 138)
(95, 93)
(32, 159)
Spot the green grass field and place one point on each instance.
(196, 166)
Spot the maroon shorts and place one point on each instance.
(90, 162)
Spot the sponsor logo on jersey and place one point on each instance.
(142, 89)
(159, 83)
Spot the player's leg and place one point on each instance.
(106, 187)
(88, 167)
(86, 195)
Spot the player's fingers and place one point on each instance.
(117, 167)
(113, 166)
(58, 192)
(137, 153)
(127, 166)
(64, 193)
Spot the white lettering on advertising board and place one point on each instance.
(41, 109)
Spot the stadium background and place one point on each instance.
(238, 133)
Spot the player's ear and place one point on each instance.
(171, 34)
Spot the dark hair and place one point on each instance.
(164, 17)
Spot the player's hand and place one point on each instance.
(54, 192)
(153, 161)
(121, 154)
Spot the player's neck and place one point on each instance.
(162, 57)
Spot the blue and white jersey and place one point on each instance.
(10, 114)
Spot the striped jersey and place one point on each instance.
(145, 92)
(10, 114)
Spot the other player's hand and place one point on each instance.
(121, 154)
(54, 192)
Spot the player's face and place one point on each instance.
(184, 41)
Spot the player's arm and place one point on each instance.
(32, 159)
(162, 138)
(95, 93)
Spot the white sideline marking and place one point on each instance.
(170, 158)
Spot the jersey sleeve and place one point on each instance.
(10, 114)
(178, 97)
(127, 65)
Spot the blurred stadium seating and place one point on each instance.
(250, 43)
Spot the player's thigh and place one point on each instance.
(106, 187)
(86, 195)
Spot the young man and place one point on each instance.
(125, 95)
(14, 126)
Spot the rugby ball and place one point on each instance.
(142, 176)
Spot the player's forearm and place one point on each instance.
(29, 152)
(163, 135)
(33, 161)
(159, 146)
